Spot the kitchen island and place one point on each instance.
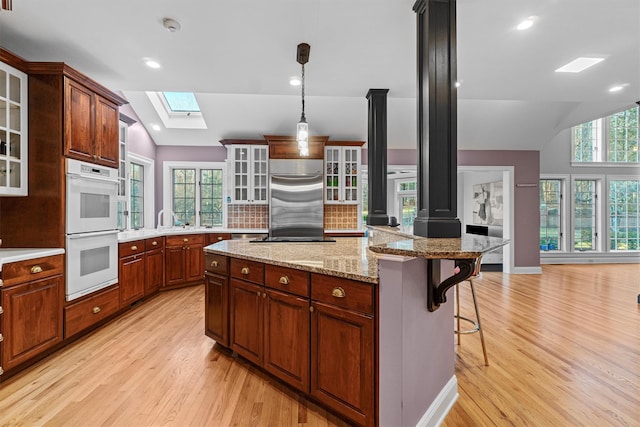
(348, 324)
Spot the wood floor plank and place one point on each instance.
(563, 347)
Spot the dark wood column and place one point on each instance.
(437, 119)
(377, 157)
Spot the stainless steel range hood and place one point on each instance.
(296, 208)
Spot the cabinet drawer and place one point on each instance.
(90, 311)
(247, 270)
(130, 248)
(345, 293)
(32, 269)
(184, 239)
(153, 243)
(214, 263)
(287, 279)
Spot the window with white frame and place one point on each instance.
(611, 139)
(585, 214)
(624, 214)
(551, 215)
(195, 193)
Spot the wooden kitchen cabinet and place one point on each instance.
(32, 304)
(131, 272)
(91, 310)
(91, 125)
(343, 319)
(247, 320)
(154, 265)
(216, 315)
(184, 260)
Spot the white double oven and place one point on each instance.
(92, 228)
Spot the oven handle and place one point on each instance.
(92, 234)
(92, 178)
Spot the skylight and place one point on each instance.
(181, 102)
(579, 64)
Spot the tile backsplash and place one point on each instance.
(340, 217)
(248, 216)
(336, 217)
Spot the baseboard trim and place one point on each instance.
(526, 270)
(441, 405)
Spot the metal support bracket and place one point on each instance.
(436, 291)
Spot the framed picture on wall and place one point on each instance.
(488, 202)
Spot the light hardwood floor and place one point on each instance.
(564, 350)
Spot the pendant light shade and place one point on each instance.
(302, 129)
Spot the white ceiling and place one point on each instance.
(238, 55)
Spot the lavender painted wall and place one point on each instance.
(170, 153)
(138, 139)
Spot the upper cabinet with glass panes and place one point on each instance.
(247, 165)
(342, 174)
(13, 131)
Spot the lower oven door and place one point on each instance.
(92, 262)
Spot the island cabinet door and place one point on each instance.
(216, 315)
(246, 320)
(342, 362)
(286, 338)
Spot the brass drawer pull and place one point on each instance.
(245, 270)
(214, 264)
(1, 338)
(96, 310)
(154, 243)
(219, 237)
(185, 240)
(134, 248)
(36, 269)
(1, 310)
(1, 371)
(338, 292)
(284, 280)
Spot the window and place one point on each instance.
(122, 177)
(624, 215)
(585, 208)
(407, 198)
(195, 192)
(551, 216)
(136, 182)
(181, 102)
(211, 197)
(613, 139)
(623, 136)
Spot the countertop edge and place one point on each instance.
(296, 266)
(10, 255)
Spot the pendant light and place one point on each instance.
(302, 130)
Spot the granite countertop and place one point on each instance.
(9, 255)
(356, 257)
(466, 247)
(347, 257)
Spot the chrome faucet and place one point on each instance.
(161, 217)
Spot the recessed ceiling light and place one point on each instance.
(579, 64)
(294, 81)
(155, 127)
(152, 64)
(616, 88)
(526, 24)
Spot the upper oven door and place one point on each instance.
(92, 203)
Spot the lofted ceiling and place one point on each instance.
(238, 56)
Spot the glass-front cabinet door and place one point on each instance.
(13, 131)
(342, 179)
(249, 174)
